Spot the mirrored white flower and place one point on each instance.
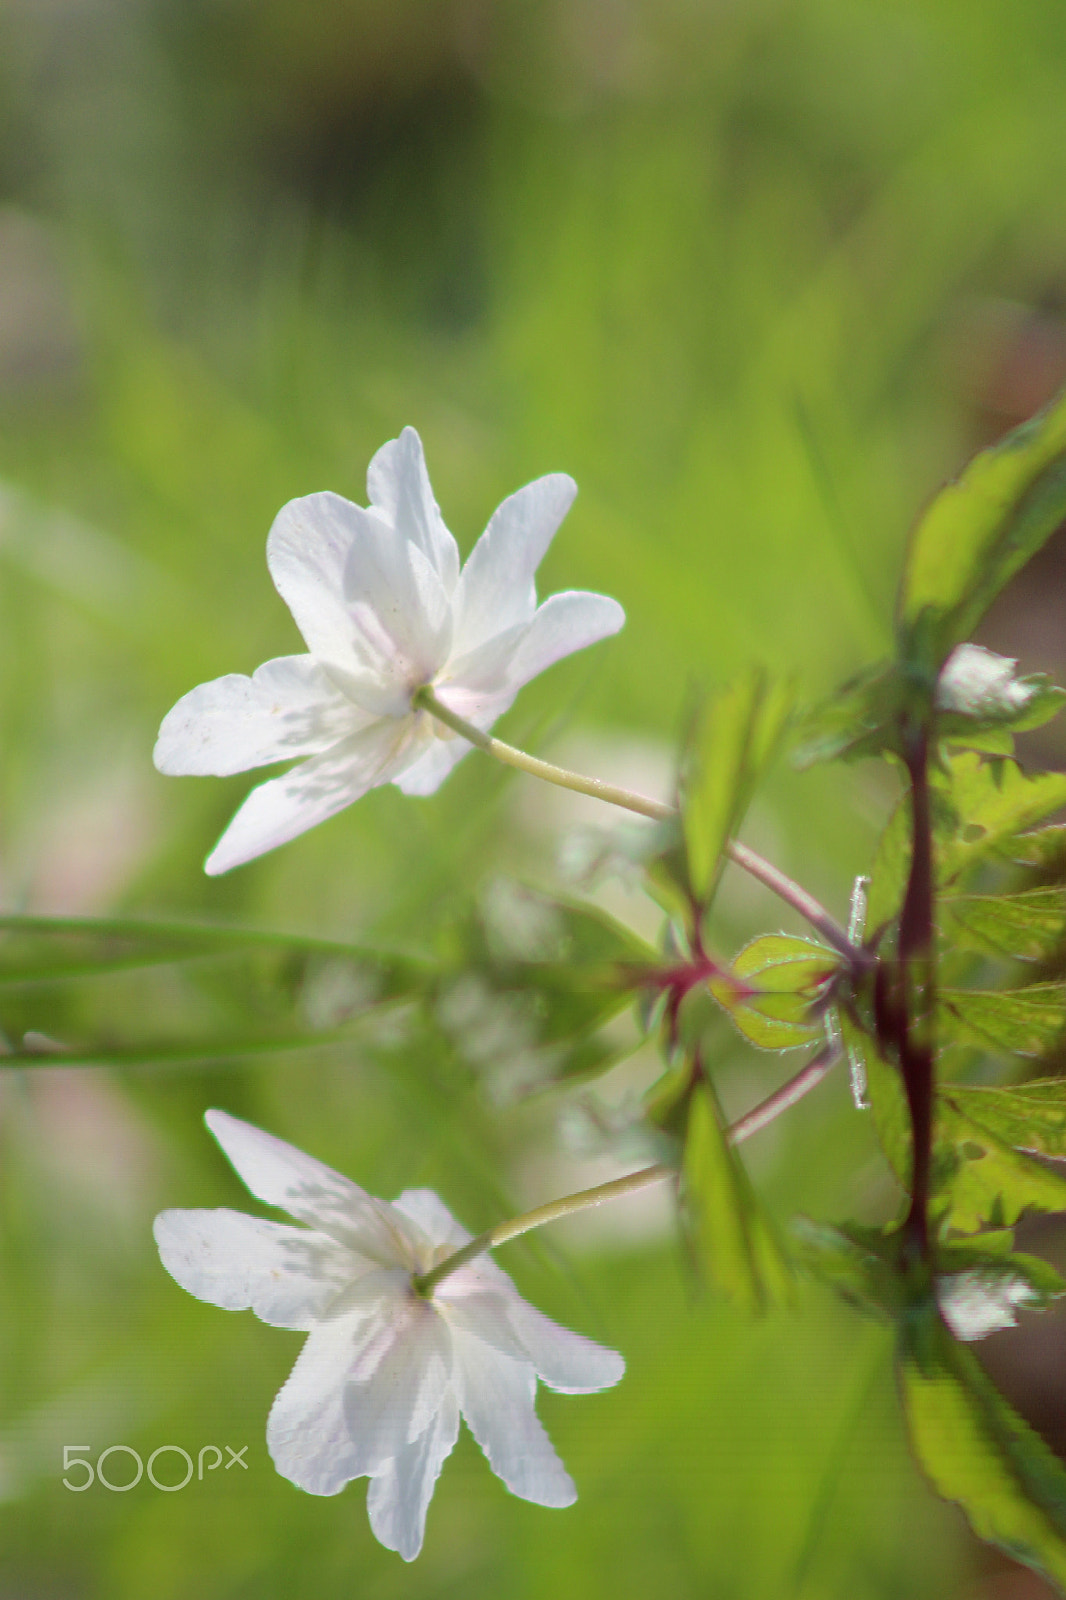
(384, 609)
(975, 1304)
(975, 682)
(385, 1374)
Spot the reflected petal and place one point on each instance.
(287, 1276)
(288, 707)
(309, 1190)
(371, 607)
(307, 1434)
(398, 1496)
(398, 485)
(283, 808)
(397, 1384)
(496, 1396)
(563, 624)
(496, 589)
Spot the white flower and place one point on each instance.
(975, 1304)
(975, 682)
(384, 609)
(381, 1382)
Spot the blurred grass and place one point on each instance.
(710, 259)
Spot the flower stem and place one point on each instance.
(808, 1078)
(755, 865)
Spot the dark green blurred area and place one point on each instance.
(759, 275)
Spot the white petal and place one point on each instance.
(289, 707)
(287, 1276)
(282, 808)
(429, 1213)
(398, 1496)
(398, 1384)
(478, 1300)
(400, 609)
(564, 623)
(370, 605)
(426, 775)
(398, 485)
(307, 1434)
(565, 1361)
(496, 588)
(974, 1304)
(496, 1396)
(485, 669)
(307, 550)
(310, 1191)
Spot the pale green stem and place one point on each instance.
(808, 1078)
(772, 877)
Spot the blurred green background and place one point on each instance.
(759, 275)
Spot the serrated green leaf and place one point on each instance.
(1043, 850)
(980, 1180)
(1025, 1022)
(733, 1240)
(978, 1452)
(982, 807)
(1029, 1117)
(991, 801)
(1028, 926)
(735, 737)
(977, 533)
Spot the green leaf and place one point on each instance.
(1044, 851)
(733, 1240)
(81, 991)
(994, 731)
(982, 808)
(885, 1092)
(1030, 1117)
(888, 875)
(977, 1451)
(980, 1179)
(45, 949)
(531, 975)
(1028, 926)
(735, 737)
(991, 800)
(860, 719)
(1025, 1022)
(980, 1281)
(775, 990)
(977, 533)
(862, 1264)
(783, 963)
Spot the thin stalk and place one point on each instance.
(789, 1094)
(755, 865)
